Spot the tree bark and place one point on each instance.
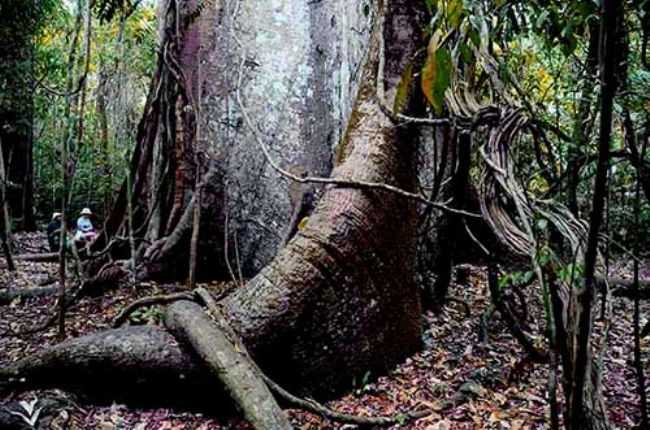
(635, 156)
(132, 364)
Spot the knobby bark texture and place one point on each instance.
(229, 362)
(346, 279)
(144, 362)
(340, 298)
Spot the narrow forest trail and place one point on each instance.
(469, 384)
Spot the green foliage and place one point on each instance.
(570, 273)
(106, 10)
(436, 77)
(361, 386)
(121, 66)
(514, 279)
(539, 49)
(403, 89)
(21, 21)
(150, 315)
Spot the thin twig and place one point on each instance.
(317, 408)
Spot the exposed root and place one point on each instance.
(107, 278)
(309, 405)
(231, 364)
(70, 300)
(38, 258)
(527, 343)
(92, 286)
(625, 287)
(140, 365)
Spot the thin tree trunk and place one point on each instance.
(638, 362)
(68, 135)
(29, 223)
(196, 221)
(451, 228)
(87, 43)
(635, 157)
(577, 416)
(580, 129)
(105, 169)
(6, 220)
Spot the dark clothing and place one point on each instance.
(54, 235)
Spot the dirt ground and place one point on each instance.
(466, 383)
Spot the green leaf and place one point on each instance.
(436, 77)
(504, 281)
(455, 12)
(541, 19)
(466, 54)
(527, 276)
(474, 37)
(401, 419)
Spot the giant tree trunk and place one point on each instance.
(301, 74)
(301, 71)
(339, 299)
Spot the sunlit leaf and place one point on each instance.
(436, 77)
(455, 12)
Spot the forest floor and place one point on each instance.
(468, 384)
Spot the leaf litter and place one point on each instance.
(465, 382)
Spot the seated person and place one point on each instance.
(85, 229)
(54, 232)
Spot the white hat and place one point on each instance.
(56, 215)
(86, 211)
